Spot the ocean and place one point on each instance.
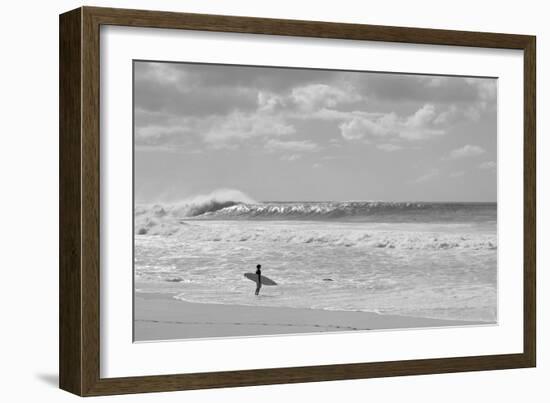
(433, 260)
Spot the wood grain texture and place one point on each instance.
(70, 271)
(530, 202)
(161, 383)
(90, 202)
(80, 201)
(317, 29)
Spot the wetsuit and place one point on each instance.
(259, 283)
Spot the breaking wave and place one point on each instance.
(160, 219)
(227, 204)
(357, 211)
(335, 237)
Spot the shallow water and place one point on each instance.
(442, 270)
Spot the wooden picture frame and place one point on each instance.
(79, 280)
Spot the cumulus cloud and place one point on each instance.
(218, 131)
(296, 146)
(465, 152)
(241, 126)
(359, 127)
(270, 102)
(448, 116)
(422, 116)
(418, 126)
(317, 96)
(229, 106)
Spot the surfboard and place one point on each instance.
(254, 277)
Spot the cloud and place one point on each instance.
(388, 147)
(205, 75)
(161, 73)
(312, 101)
(295, 146)
(422, 134)
(428, 89)
(194, 89)
(426, 177)
(270, 102)
(291, 157)
(449, 116)
(457, 174)
(459, 98)
(155, 134)
(316, 96)
(240, 126)
(422, 116)
(219, 131)
(418, 126)
(228, 106)
(488, 165)
(466, 152)
(359, 127)
(181, 90)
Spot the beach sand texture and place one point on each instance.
(161, 317)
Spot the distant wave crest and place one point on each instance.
(364, 211)
(159, 219)
(228, 204)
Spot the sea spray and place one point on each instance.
(235, 205)
(165, 219)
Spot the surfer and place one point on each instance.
(259, 282)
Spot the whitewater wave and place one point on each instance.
(358, 238)
(358, 210)
(307, 210)
(227, 204)
(157, 219)
(256, 235)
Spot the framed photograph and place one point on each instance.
(248, 201)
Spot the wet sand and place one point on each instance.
(161, 317)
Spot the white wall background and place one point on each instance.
(29, 201)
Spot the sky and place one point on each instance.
(281, 134)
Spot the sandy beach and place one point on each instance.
(160, 317)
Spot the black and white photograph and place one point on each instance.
(264, 202)
(273, 200)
